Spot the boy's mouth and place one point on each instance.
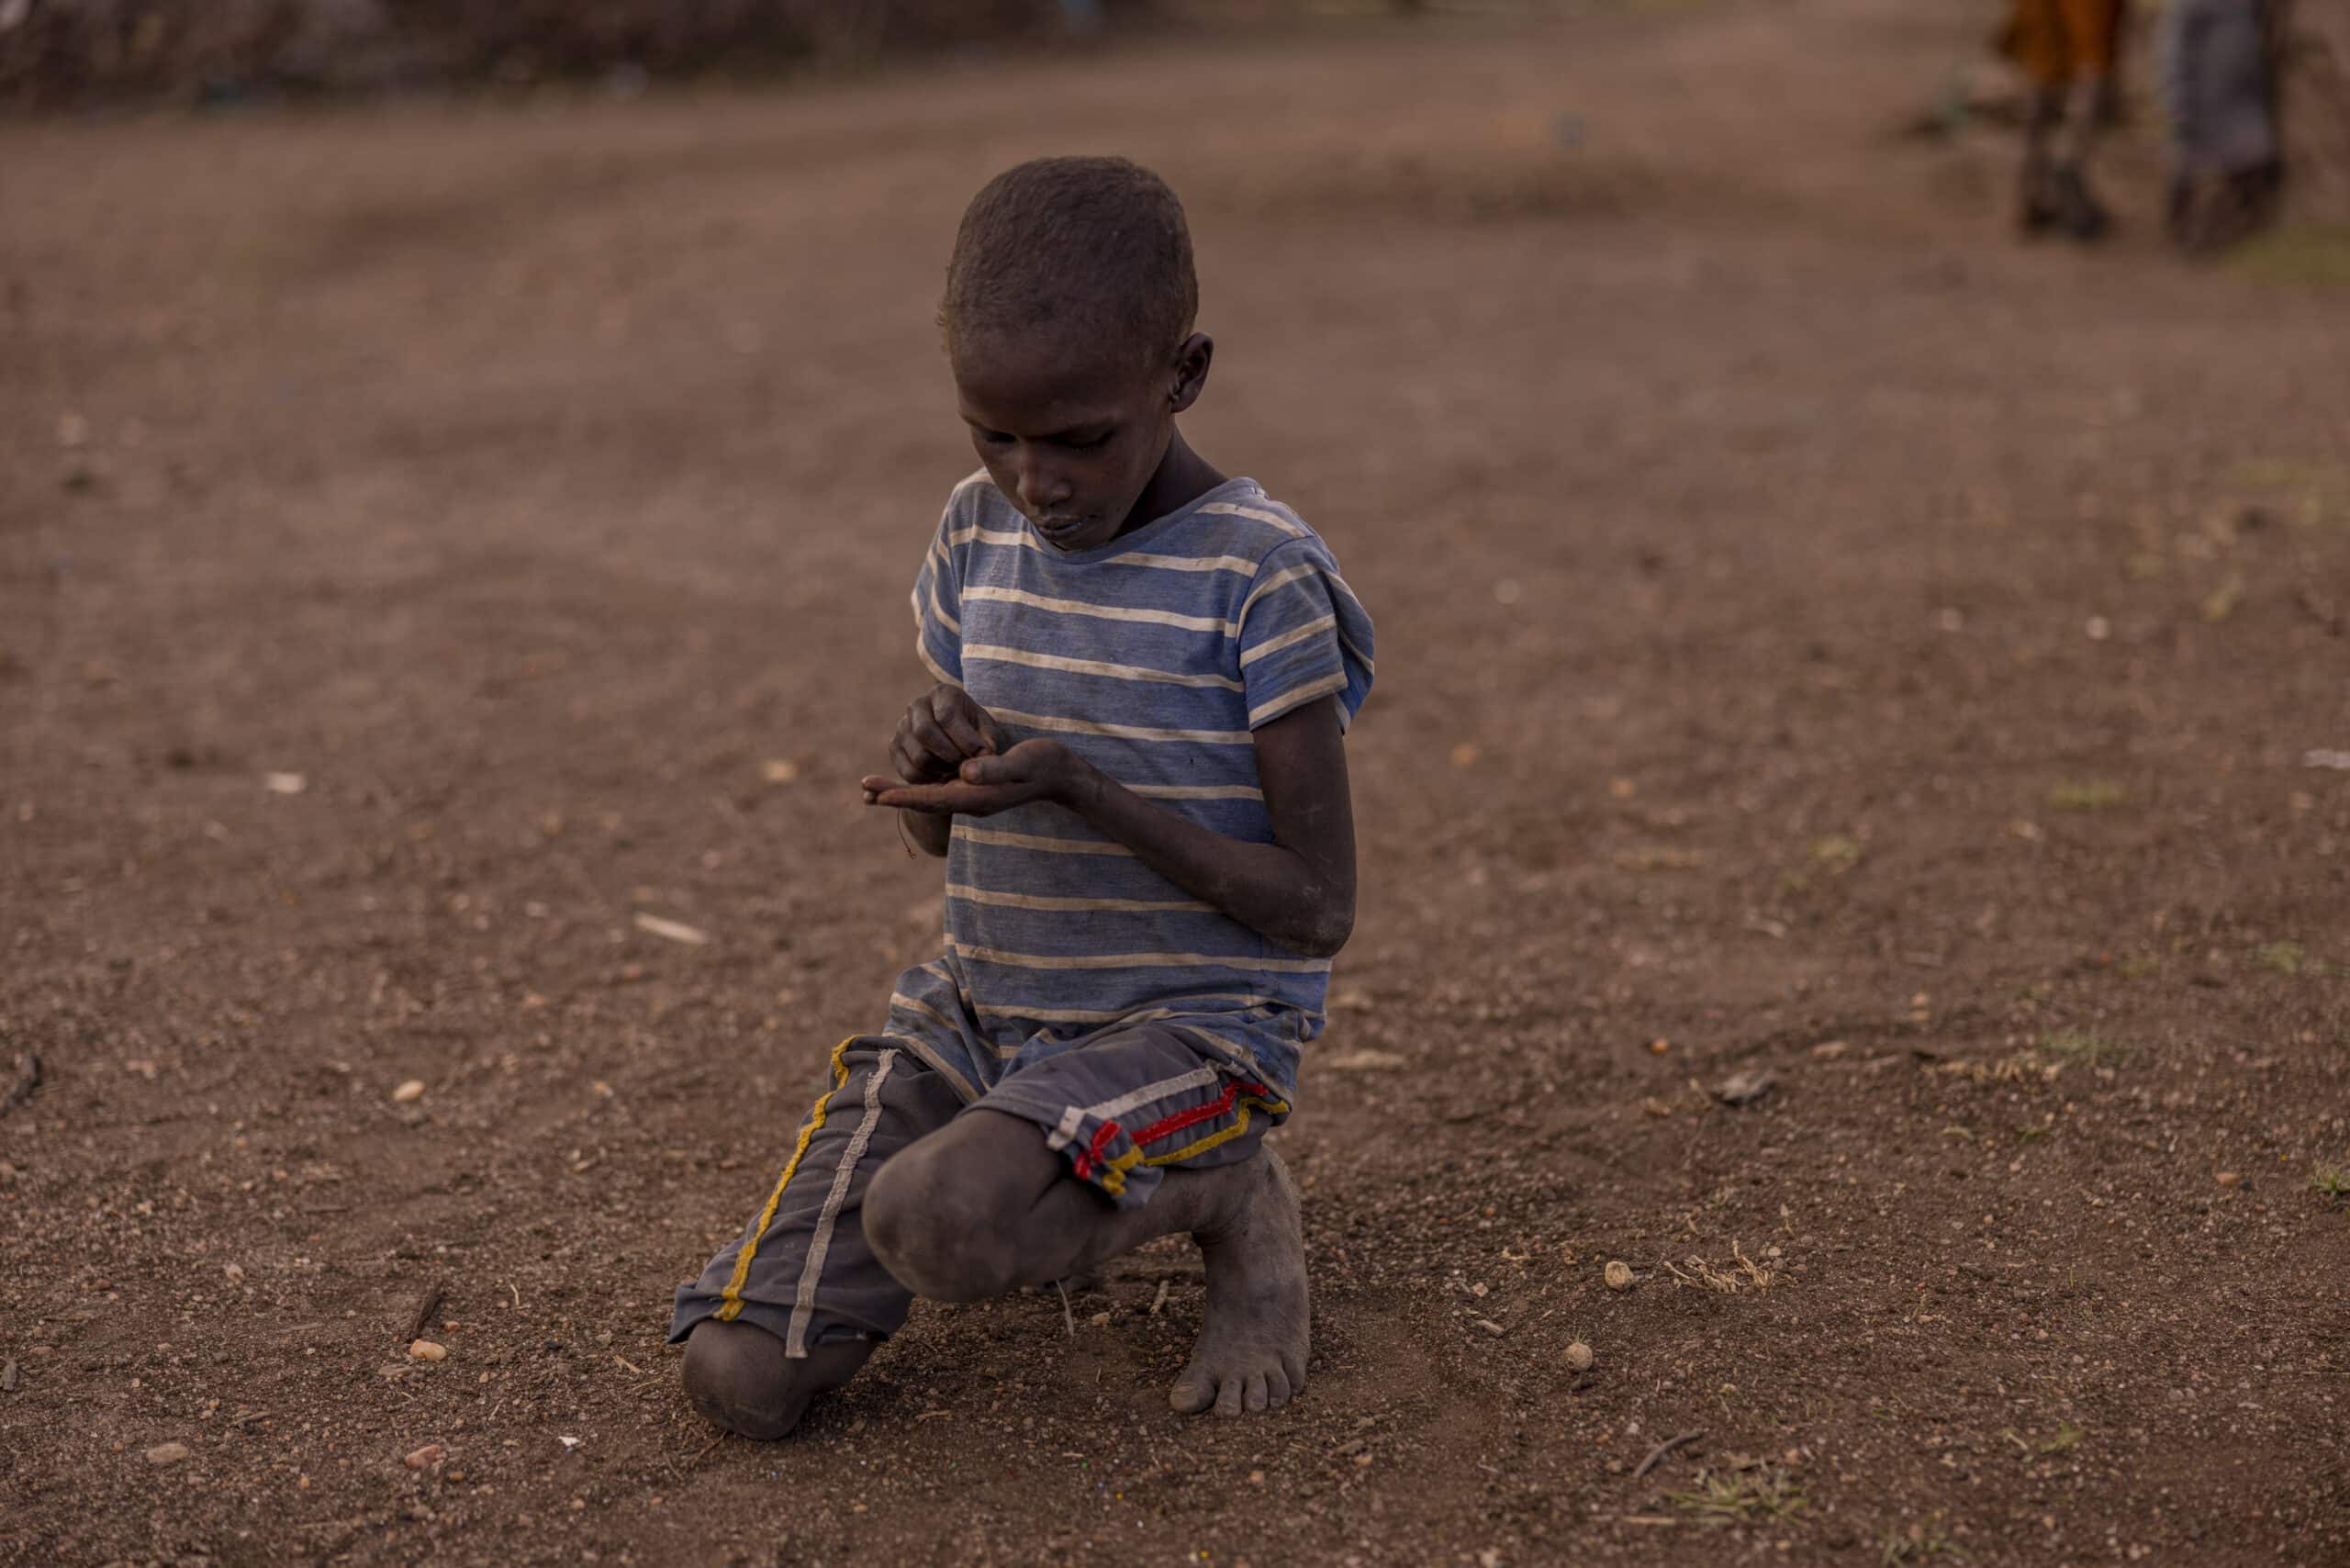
(1058, 529)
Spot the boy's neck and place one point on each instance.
(1182, 477)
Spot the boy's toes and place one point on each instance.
(1192, 1392)
(1228, 1396)
(1254, 1395)
(1276, 1389)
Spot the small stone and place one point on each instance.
(168, 1453)
(412, 1090)
(1618, 1274)
(236, 1272)
(1744, 1088)
(285, 783)
(780, 770)
(1828, 1050)
(2228, 1179)
(1579, 1356)
(426, 1350)
(1658, 1047)
(1100, 1320)
(8, 1377)
(1465, 755)
(424, 1458)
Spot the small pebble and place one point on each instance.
(2229, 1178)
(8, 1378)
(1828, 1050)
(429, 1455)
(1618, 1274)
(412, 1090)
(426, 1350)
(236, 1272)
(1579, 1356)
(167, 1454)
(1744, 1088)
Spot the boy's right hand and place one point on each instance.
(942, 730)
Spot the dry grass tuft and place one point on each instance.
(1744, 1273)
(1764, 1494)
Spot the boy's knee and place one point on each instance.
(937, 1227)
(738, 1377)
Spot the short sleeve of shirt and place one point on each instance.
(1302, 636)
(937, 604)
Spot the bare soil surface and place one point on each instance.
(1819, 634)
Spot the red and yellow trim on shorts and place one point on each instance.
(1245, 1094)
(729, 1305)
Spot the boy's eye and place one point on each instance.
(1085, 442)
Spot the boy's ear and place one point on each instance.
(1191, 371)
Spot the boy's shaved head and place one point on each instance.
(1094, 246)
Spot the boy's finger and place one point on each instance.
(991, 732)
(969, 741)
(930, 738)
(912, 797)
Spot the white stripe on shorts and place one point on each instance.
(795, 1346)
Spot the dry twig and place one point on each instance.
(1656, 1454)
(423, 1312)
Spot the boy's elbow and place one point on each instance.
(1323, 932)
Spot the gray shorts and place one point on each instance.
(1122, 1106)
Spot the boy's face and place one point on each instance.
(1070, 432)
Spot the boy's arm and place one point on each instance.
(1298, 891)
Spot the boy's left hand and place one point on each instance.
(1032, 771)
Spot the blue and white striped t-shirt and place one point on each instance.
(1154, 657)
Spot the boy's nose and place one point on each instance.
(1042, 487)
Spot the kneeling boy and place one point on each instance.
(1132, 763)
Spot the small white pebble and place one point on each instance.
(412, 1090)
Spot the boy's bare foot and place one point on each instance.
(738, 1377)
(1251, 1350)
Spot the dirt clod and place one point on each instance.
(1618, 1274)
(1579, 1356)
(168, 1453)
(424, 1458)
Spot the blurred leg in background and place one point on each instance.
(2068, 48)
(2219, 74)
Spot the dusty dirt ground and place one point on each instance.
(1817, 632)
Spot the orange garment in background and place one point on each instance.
(2058, 41)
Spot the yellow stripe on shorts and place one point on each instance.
(730, 1299)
